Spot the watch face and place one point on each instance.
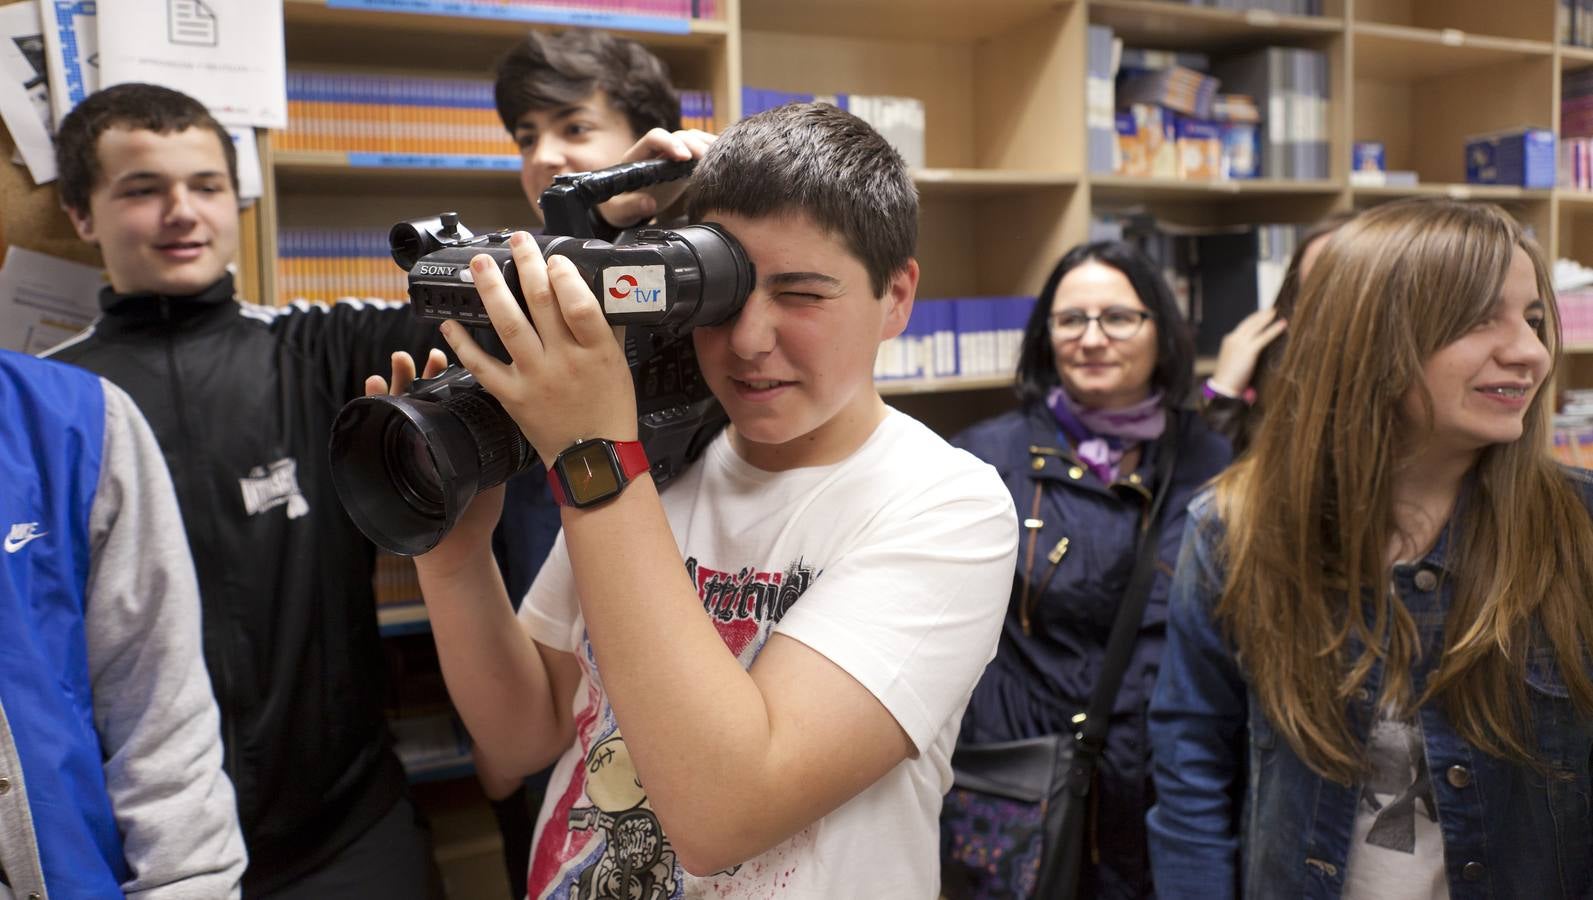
(590, 472)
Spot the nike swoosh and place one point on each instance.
(13, 545)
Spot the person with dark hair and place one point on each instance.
(574, 101)
(751, 680)
(1377, 681)
(111, 782)
(1105, 365)
(1232, 399)
(582, 100)
(241, 399)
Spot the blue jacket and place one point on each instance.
(55, 418)
(1507, 830)
(1039, 679)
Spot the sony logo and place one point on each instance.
(434, 269)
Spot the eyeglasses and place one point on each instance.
(1119, 323)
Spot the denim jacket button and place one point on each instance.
(1076, 473)
(1459, 776)
(1426, 580)
(1472, 871)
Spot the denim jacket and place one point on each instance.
(1508, 831)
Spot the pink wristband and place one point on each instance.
(1210, 391)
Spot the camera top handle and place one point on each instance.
(569, 207)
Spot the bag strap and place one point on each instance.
(1090, 738)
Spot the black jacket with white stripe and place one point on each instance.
(241, 399)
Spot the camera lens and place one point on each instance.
(414, 472)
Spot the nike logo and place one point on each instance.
(21, 534)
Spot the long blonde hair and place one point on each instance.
(1310, 511)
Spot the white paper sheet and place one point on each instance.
(25, 88)
(250, 181)
(227, 54)
(71, 40)
(45, 300)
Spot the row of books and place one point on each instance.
(1573, 22)
(1166, 114)
(1573, 429)
(1576, 315)
(323, 265)
(1287, 7)
(389, 114)
(530, 9)
(900, 120)
(956, 337)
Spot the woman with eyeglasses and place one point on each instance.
(1103, 377)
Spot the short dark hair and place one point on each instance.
(134, 106)
(817, 159)
(547, 71)
(1174, 374)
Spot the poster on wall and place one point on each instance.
(45, 300)
(228, 54)
(71, 43)
(25, 88)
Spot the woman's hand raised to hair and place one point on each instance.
(1241, 348)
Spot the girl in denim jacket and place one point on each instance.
(1432, 739)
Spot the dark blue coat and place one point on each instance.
(1041, 678)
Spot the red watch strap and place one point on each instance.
(632, 459)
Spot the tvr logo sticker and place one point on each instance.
(22, 534)
(633, 289)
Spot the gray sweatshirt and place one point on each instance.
(158, 726)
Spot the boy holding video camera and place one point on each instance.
(751, 682)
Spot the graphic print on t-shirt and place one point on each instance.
(1399, 770)
(1397, 847)
(602, 840)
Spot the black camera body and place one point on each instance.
(405, 467)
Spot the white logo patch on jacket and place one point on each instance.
(268, 487)
(22, 534)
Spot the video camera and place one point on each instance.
(406, 466)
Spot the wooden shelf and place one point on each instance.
(1399, 53)
(402, 618)
(654, 30)
(1582, 201)
(933, 20)
(1156, 23)
(1490, 192)
(904, 386)
(987, 182)
(1121, 188)
(1573, 57)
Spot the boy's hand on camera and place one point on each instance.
(1241, 348)
(632, 208)
(404, 373)
(568, 379)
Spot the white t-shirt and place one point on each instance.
(1397, 850)
(895, 564)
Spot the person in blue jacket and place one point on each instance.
(1377, 676)
(111, 781)
(1105, 370)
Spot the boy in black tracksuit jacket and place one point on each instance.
(241, 399)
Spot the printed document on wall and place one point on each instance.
(45, 300)
(71, 43)
(225, 53)
(25, 88)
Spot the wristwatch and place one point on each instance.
(590, 472)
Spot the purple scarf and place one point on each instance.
(1102, 436)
